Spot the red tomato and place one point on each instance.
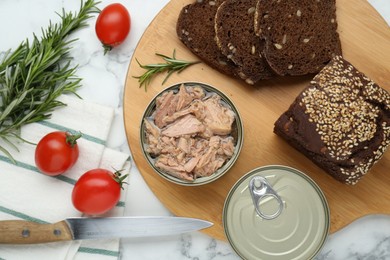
(113, 25)
(56, 152)
(97, 191)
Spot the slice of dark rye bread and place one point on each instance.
(300, 35)
(235, 36)
(195, 28)
(341, 121)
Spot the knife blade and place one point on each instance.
(27, 232)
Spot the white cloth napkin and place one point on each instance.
(27, 194)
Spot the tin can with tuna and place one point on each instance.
(276, 212)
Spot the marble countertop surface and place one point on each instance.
(103, 83)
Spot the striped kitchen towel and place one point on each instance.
(27, 194)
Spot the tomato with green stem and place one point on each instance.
(57, 152)
(112, 26)
(97, 191)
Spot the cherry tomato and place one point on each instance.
(97, 191)
(113, 25)
(56, 152)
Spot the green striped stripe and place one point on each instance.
(29, 218)
(98, 251)
(21, 215)
(59, 177)
(66, 129)
(35, 169)
(19, 163)
(65, 179)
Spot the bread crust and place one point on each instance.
(341, 121)
(195, 28)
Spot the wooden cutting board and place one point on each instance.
(365, 41)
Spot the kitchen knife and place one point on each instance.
(27, 232)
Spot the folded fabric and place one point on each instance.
(27, 194)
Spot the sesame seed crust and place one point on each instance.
(341, 121)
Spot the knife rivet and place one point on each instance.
(57, 232)
(25, 233)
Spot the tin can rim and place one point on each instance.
(322, 197)
(221, 171)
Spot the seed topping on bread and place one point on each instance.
(236, 39)
(343, 105)
(260, 39)
(300, 37)
(341, 121)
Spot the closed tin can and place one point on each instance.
(276, 212)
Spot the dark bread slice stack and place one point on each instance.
(195, 28)
(283, 37)
(300, 35)
(341, 121)
(235, 36)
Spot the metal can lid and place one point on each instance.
(298, 222)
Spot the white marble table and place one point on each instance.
(103, 82)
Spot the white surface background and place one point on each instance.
(103, 83)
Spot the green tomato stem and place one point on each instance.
(119, 178)
(107, 48)
(72, 139)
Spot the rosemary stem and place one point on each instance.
(170, 66)
(37, 72)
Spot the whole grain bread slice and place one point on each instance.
(235, 36)
(300, 35)
(195, 28)
(340, 121)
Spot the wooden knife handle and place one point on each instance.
(27, 232)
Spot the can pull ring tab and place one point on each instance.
(259, 189)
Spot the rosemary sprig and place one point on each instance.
(34, 75)
(170, 66)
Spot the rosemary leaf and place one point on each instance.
(36, 73)
(170, 66)
(5, 151)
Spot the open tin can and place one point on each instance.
(237, 133)
(276, 212)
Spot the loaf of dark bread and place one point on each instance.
(234, 29)
(195, 28)
(300, 36)
(341, 121)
